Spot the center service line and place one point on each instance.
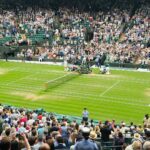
(102, 94)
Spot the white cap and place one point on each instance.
(86, 130)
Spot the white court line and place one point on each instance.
(99, 77)
(18, 79)
(103, 93)
(85, 96)
(82, 94)
(88, 95)
(68, 94)
(15, 68)
(86, 76)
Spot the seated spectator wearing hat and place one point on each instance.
(146, 145)
(138, 137)
(93, 137)
(86, 143)
(123, 128)
(136, 145)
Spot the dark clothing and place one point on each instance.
(85, 119)
(54, 128)
(60, 146)
(105, 132)
(119, 142)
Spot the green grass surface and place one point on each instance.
(122, 95)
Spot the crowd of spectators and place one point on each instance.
(73, 34)
(22, 129)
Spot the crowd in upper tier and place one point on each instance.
(125, 38)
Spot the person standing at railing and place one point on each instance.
(85, 115)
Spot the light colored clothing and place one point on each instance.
(85, 113)
(85, 145)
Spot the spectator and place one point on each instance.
(21, 136)
(39, 143)
(146, 145)
(85, 115)
(93, 137)
(147, 134)
(60, 142)
(105, 133)
(136, 145)
(5, 143)
(119, 141)
(86, 144)
(44, 146)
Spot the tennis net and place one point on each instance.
(59, 81)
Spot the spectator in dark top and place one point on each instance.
(53, 128)
(50, 142)
(119, 141)
(14, 145)
(5, 143)
(105, 132)
(147, 134)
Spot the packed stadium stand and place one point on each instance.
(121, 30)
(29, 129)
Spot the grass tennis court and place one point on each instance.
(122, 95)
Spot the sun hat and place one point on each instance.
(137, 136)
(93, 135)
